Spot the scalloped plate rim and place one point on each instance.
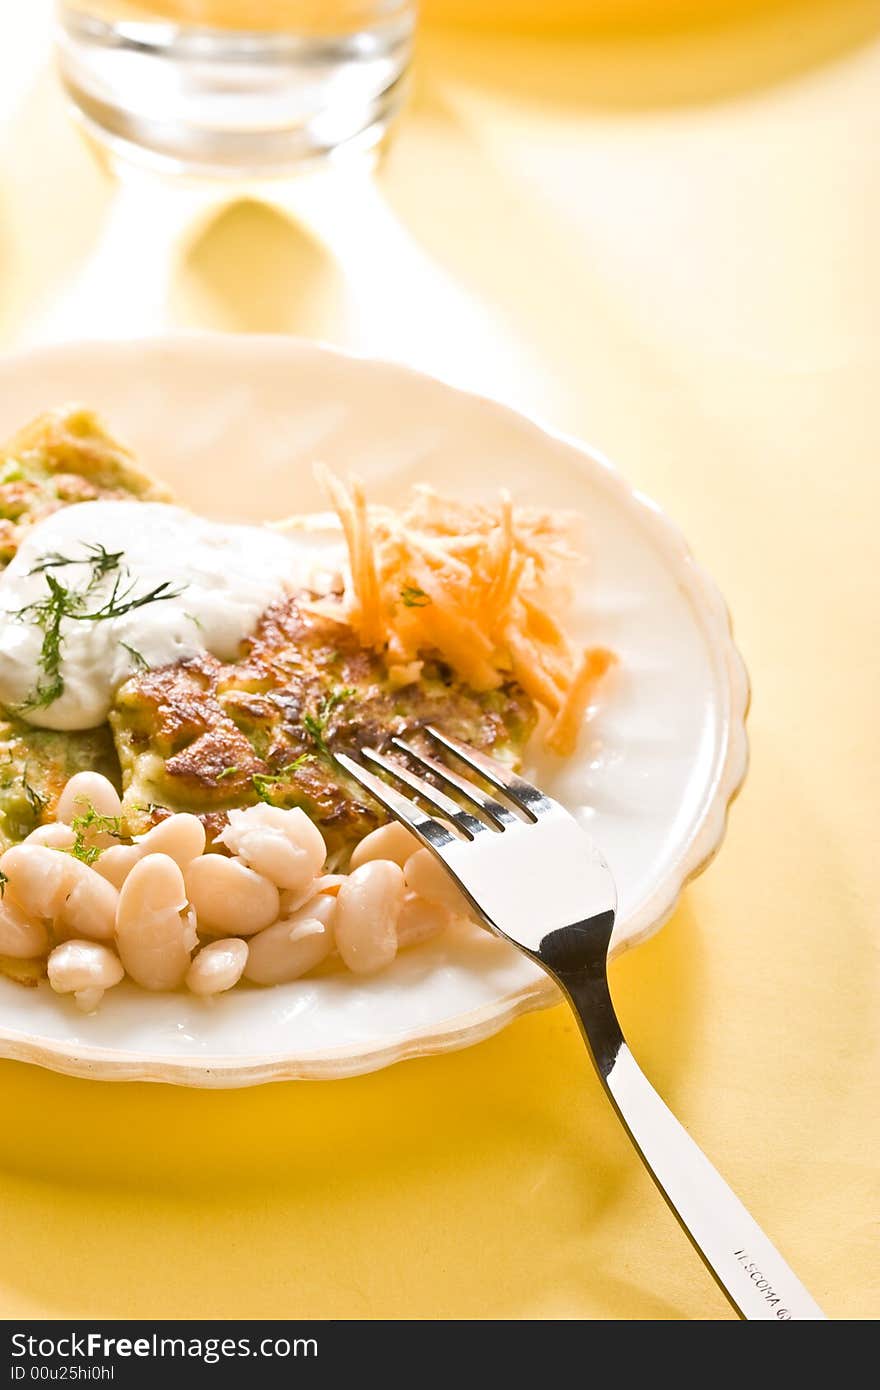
(465, 1029)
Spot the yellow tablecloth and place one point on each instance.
(665, 243)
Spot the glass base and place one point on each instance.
(223, 103)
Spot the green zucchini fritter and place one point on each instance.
(59, 459)
(206, 736)
(34, 766)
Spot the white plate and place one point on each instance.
(233, 423)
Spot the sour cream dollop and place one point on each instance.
(224, 578)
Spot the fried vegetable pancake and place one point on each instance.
(35, 764)
(59, 459)
(206, 736)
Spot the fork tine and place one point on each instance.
(529, 798)
(423, 825)
(501, 815)
(448, 808)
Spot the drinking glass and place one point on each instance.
(237, 87)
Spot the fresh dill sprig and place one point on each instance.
(36, 800)
(92, 821)
(414, 597)
(120, 601)
(316, 724)
(101, 560)
(48, 613)
(263, 782)
(140, 661)
(62, 602)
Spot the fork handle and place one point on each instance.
(748, 1268)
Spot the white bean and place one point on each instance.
(155, 930)
(85, 790)
(426, 876)
(85, 970)
(218, 966)
(20, 936)
(419, 920)
(229, 898)
(53, 836)
(117, 862)
(392, 841)
(181, 837)
(284, 845)
(90, 908)
(292, 947)
(368, 907)
(40, 878)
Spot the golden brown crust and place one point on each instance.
(205, 736)
(72, 440)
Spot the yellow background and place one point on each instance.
(665, 241)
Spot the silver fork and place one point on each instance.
(536, 879)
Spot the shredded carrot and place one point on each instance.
(532, 673)
(563, 732)
(473, 586)
(365, 582)
(542, 625)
